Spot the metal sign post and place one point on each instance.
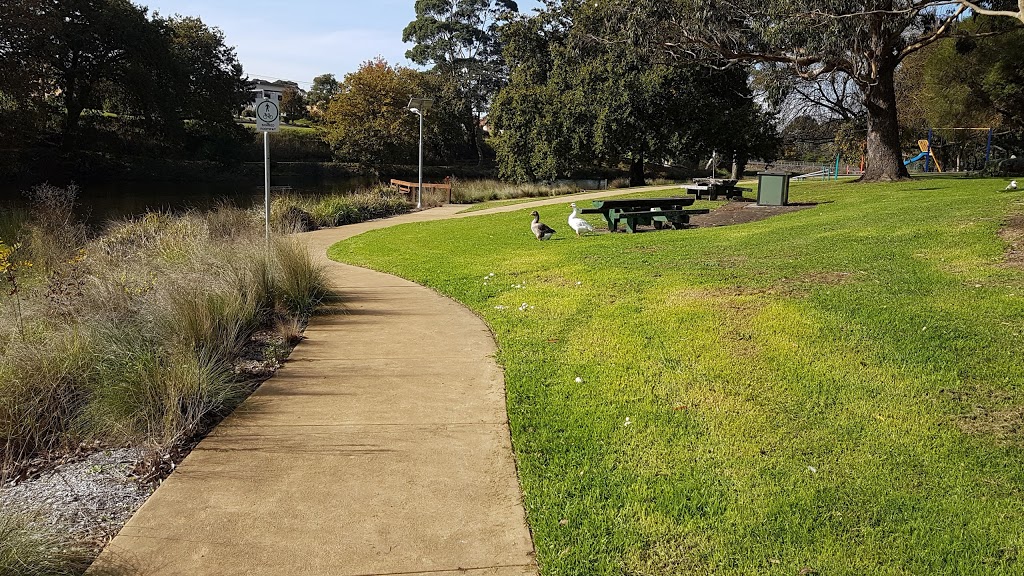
(268, 119)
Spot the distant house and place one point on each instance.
(273, 86)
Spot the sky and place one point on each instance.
(299, 39)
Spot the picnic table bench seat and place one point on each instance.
(716, 187)
(658, 212)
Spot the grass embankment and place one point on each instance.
(289, 210)
(477, 191)
(131, 337)
(836, 390)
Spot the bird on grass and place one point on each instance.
(1012, 185)
(540, 230)
(578, 224)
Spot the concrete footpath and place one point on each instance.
(381, 447)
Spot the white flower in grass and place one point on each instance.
(579, 283)
(812, 469)
(499, 307)
(627, 422)
(524, 307)
(579, 380)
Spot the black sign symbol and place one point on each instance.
(267, 111)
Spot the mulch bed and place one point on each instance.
(741, 213)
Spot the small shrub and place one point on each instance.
(149, 395)
(301, 282)
(43, 387)
(473, 191)
(338, 209)
(54, 232)
(212, 324)
(30, 550)
(226, 220)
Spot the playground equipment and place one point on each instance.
(926, 153)
(832, 172)
(961, 149)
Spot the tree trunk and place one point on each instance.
(636, 171)
(739, 164)
(884, 154)
(72, 119)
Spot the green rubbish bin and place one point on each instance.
(772, 188)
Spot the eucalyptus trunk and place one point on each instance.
(636, 171)
(884, 148)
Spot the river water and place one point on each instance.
(99, 203)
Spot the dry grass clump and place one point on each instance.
(131, 336)
(288, 211)
(473, 191)
(28, 550)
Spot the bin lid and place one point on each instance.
(774, 173)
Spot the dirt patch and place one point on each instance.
(1003, 424)
(742, 213)
(826, 278)
(1012, 233)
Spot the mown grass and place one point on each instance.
(835, 391)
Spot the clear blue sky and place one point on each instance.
(299, 39)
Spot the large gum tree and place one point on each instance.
(864, 40)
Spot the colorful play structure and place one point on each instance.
(959, 148)
(926, 154)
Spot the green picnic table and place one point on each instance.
(657, 212)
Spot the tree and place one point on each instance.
(368, 123)
(72, 48)
(574, 104)
(866, 40)
(966, 82)
(79, 54)
(459, 38)
(293, 104)
(1005, 8)
(324, 88)
(208, 81)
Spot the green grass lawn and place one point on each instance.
(838, 388)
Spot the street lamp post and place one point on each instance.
(418, 106)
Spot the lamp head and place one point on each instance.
(414, 110)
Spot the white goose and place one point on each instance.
(578, 224)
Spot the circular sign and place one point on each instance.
(267, 111)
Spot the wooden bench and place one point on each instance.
(658, 212)
(410, 188)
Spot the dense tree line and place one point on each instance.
(582, 97)
(92, 73)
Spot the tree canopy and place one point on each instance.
(863, 40)
(324, 88)
(59, 59)
(575, 104)
(368, 122)
(459, 39)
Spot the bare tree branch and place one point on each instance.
(1019, 14)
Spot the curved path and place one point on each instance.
(381, 447)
